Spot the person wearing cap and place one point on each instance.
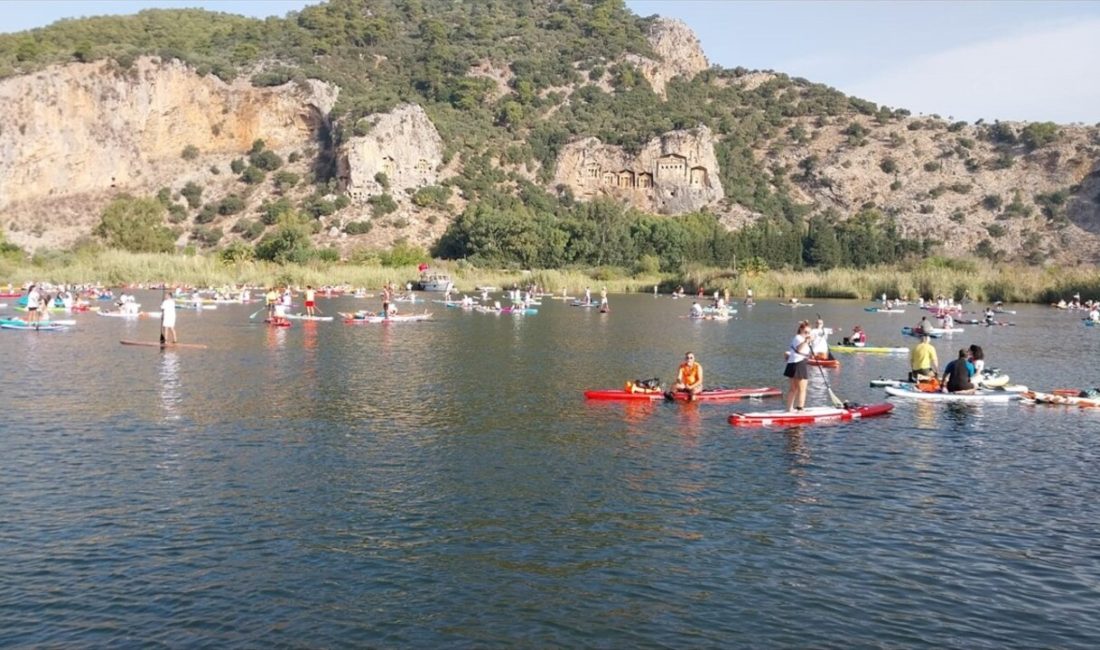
(923, 361)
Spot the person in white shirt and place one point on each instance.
(819, 344)
(167, 318)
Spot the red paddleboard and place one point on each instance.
(277, 324)
(812, 415)
(157, 344)
(713, 395)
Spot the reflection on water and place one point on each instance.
(170, 384)
(445, 484)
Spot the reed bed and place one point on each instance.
(957, 279)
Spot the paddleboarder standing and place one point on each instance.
(168, 318)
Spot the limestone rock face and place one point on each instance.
(89, 127)
(679, 51)
(402, 144)
(672, 174)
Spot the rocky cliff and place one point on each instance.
(401, 151)
(672, 174)
(678, 50)
(76, 134)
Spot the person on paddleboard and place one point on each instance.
(819, 345)
(858, 337)
(168, 318)
(689, 378)
(957, 375)
(310, 302)
(923, 361)
(797, 371)
(32, 305)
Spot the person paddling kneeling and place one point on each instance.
(689, 379)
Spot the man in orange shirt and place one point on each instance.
(690, 377)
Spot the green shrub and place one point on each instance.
(231, 204)
(207, 213)
(403, 255)
(896, 185)
(992, 202)
(932, 166)
(434, 196)
(193, 193)
(271, 212)
(382, 180)
(236, 165)
(285, 180)
(995, 230)
(190, 152)
(135, 225)
(266, 160)
(253, 175)
(358, 227)
(237, 252)
(888, 165)
(177, 213)
(382, 205)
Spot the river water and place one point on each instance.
(446, 484)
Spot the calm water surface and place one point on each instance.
(446, 484)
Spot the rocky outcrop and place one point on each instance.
(678, 50)
(403, 145)
(77, 133)
(88, 127)
(672, 174)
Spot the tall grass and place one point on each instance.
(983, 283)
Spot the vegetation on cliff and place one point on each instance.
(550, 71)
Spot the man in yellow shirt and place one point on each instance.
(923, 361)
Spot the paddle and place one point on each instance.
(257, 312)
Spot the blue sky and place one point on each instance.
(1015, 60)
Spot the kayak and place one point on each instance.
(813, 415)
(308, 317)
(165, 346)
(824, 363)
(867, 349)
(979, 396)
(35, 328)
(710, 395)
(1035, 397)
(909, 331)
(883, 310)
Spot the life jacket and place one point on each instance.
(689, 373)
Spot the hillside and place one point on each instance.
(528, 132)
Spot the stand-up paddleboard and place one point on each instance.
(909, 331)
(867, 349)
(274, 323)
(712, 395)
(979, 396)
(52, 321)
(1035, 397)
(883, 310)
(324, 319)
(165, 346)
(45, 327)
(813, 415)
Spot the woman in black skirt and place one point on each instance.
(796, 369)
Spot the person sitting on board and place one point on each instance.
(858, 337)
(946, 321)
(989, 316)
(819, 345)
(977, 359)
(957, 374)
(923, 361)
(793, 301)
(689, 378)
(1094, 314)
(796, 369)
(696, 310)
(923, 327)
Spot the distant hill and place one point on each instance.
(511, 132)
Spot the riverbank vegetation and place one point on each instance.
(929, 278)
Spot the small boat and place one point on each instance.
(977, 396)
(709, 395)
(813, 415)
(435, 282)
